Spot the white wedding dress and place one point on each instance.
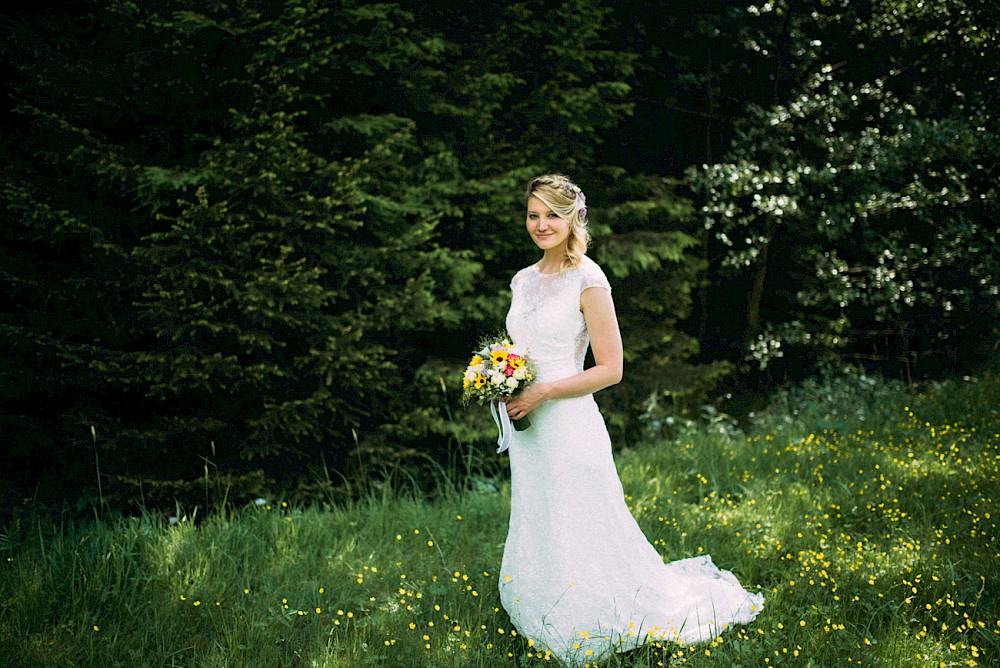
(578, 575)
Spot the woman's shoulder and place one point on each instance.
(588, 265)
(591, 274)
(522, 274)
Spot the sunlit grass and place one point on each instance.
(866, 514)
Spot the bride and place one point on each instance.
(578, 576)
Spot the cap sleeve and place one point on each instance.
(516, 280)
(592, 276)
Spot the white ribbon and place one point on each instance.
(502, 421)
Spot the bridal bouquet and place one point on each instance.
(496, 372)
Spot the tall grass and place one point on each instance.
(866, 513)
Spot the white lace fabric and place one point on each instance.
(578, 576)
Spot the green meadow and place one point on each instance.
(866, 511)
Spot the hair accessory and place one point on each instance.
(573, 190)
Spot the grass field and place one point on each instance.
(866, 513)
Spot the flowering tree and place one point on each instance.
(857, 209)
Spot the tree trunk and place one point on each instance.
(756, 295)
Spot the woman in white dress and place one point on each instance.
(578, 576)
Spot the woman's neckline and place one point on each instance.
(546, 273)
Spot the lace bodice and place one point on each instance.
(545, 317)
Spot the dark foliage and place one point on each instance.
(245, 241)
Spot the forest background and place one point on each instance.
(254, 242)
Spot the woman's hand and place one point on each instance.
(527, 400)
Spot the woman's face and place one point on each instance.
(546, 228)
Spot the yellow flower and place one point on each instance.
(498, 356)
(479, 381)
(476, 360)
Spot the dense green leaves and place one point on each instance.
(302, 201)
(262, 237)
(859, 206)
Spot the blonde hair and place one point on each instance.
(567, 201)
